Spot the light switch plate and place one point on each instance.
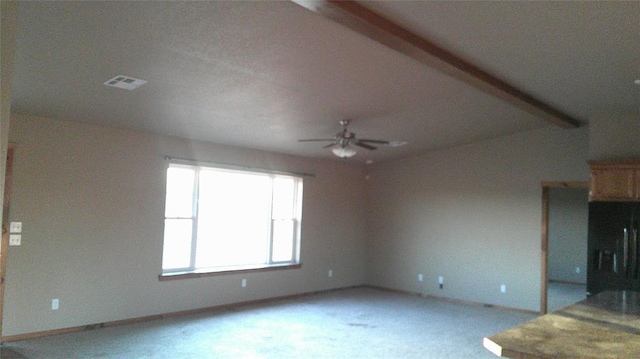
(15, 227)
(15, 239)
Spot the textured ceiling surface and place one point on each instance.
(264, 74)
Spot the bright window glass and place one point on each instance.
(220, 219)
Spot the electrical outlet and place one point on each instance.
(244, 283)
(578, 270)
(55, 304)
(330, 273)
(420, 277)
(15, 227)
(503, 288)
(15, 239)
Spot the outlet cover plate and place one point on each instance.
(15, 227)
(15, 239)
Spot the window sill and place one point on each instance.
(225, 271)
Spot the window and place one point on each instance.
(219, 219)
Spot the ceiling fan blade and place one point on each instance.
(317, 139)
(330, 145)
(364, 145)
(382, 142)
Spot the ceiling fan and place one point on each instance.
(344, 141)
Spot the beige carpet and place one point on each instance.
(352, 323)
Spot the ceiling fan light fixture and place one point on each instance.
(397, 143)
(344, 152)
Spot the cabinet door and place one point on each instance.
(613, 184)
(636, 184)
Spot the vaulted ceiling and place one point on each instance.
(264, 74)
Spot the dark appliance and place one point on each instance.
(613, 252)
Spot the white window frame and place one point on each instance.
(269, 263)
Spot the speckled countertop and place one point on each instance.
(606, 325)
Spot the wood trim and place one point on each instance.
(4, 244)
(114, 323)
(382, 30)
(544, 252)
(574, 184)
(621, 163)
(46, 333)
(191, 275)
(566, 282)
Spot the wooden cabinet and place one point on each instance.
(615, 180)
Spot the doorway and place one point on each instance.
(556, 224)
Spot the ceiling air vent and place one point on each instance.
(125, 82)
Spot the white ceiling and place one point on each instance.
(264, 74)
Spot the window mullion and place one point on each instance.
(297, 220)
(296, 233)
(194, 216)
(270, 244)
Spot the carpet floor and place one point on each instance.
(6, 353)
(350, 323)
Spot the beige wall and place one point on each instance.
(91, 203)
(471, 214)
(614, 136)
(568, 231)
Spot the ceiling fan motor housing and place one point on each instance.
(345, 136)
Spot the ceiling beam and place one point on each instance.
(370, 24)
